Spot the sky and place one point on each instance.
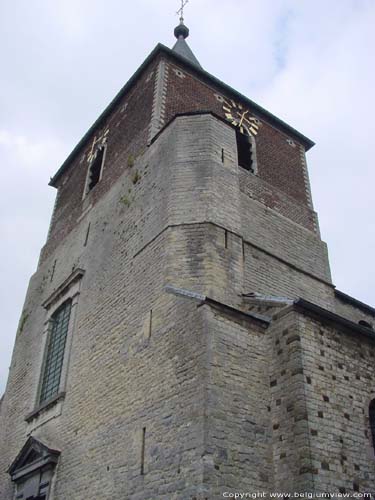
(309, 63)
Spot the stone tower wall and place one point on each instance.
(128, 127)
(162, 90)
(239, 436)
(181, 214)
(322, 385)
(173, 226)
(340, 384)
(134, 362)
(282, 174)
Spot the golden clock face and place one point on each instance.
(240, 117)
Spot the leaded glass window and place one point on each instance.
(59, 324)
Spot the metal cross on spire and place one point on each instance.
(180, 11)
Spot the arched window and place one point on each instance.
(372, 422)
(246, 151)
(95, 170)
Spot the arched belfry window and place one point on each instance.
(95, 169)
(246, 151)
(372, 422)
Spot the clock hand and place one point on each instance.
(242, 118)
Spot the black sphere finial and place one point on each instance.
(181, 31)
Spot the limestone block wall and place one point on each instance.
(354, 310)
(198, 210)
(291, 461)
(267, 274)
(340, 383)
(263, 191)
(238, 453)
(143, 359)
(203, 186)
(289, 241)
(110, 391)
(280, 156)
(136, 355)
(150, 382)
(278, 256)
(130, 244)
(322, 386)
(126, 129)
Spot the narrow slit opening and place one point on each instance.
(143, 451)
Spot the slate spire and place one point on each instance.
(181, 32)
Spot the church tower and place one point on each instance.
(181, 338)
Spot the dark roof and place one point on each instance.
(355, 302)
(182, 48)
(346, 324)
(203, 299)
(162, 49)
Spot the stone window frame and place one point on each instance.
(68, 290)
(254, 155)
(33, 470)
(55, 351)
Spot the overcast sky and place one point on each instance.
(310, 63)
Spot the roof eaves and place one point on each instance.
(355, 302)
(308, 143)
(128, 85)
(203, 299)
(250, 315)
(346, 324)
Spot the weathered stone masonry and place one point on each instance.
(208, 351)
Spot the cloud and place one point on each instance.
(29, 152)
(324, 89)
